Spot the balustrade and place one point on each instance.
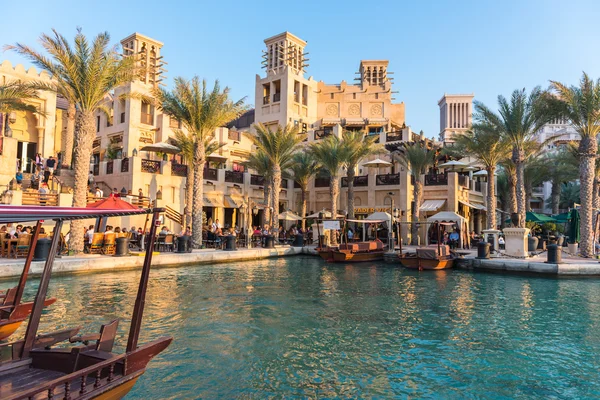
(179, 170)
(151, 166)
(258, 180)
(210, 174)
(362, 180)
(387, 179)
(234, 177)
(436, 179)
(321, 182)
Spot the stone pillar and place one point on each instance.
(516, 242)
(493, 235)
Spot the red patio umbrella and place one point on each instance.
(112, 203)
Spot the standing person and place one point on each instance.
(43, 191)
(51, 164)
(114, 193)
(91, 179)
(99, 193)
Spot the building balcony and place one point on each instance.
(147, 119)
(394, 136)
(234, 177)
(211, 174)
(436, 179)
(359, 181)
(151, 166)
(387, 179)
(179, 170)
(321, 182)
(257, 180)
(266, 100)
(276, 97)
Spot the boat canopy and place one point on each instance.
(38, 213)
(380, 215)
(445, 217)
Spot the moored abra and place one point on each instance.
(32, 369)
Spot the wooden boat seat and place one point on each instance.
(432, 253)
(362, 247)
(23, 378)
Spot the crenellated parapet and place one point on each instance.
(19, 72)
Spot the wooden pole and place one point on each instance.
(439, 237)
(38, 304)
(26, 267)
(138, 308)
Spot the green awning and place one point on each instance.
(561, 218)
(539, 218)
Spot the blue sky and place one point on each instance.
(482, 47)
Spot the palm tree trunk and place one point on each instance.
(69, 135)
(587, 150)
(555, 196)
(303, 191)
(276, 190)
(519, 160)
(189, 194)
(334, 192)
(268, 200)
(491, 198)
(199, 160)
(512, 192)
(86, 132)
(350, 176)
(528, 196)
(596, 195)
(418, 198)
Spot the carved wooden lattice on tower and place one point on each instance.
(147, 53)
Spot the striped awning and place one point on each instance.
(378, 121)
(212, 201)
(432, 205)
(233, 201)
(330, 121)
(355, 121)
(474, 205)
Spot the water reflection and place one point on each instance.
(301, 328)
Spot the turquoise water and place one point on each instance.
(300, 328)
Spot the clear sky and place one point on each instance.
(434, 47)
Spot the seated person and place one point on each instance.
(164, 231)
(454, 238)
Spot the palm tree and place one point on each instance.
(510, 173)
(279, 146)
(200, 111)
(581, 106)
(518, 120)
(416, 157)
(13, 95)
(331, 154)
(186, 145)
(303, 168)
(261, 163)
(503, 194)
(90, 71)
(485, 145)
(359, 147)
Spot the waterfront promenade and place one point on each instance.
(90, 263)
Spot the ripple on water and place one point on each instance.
(298, 327)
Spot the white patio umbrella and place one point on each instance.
(377, 163)
(326, 214)
(453, 165)
(289, 216)
(214, 157)
(162, 147)
(483, 172)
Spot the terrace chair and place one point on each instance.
(210, 239)
(160, 242)
(97, 242)
(23, 243)
(169, 244)
(108, 247)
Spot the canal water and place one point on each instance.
(300, 328)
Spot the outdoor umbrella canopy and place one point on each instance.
(377, 163)
(289, 216)
(162, 148)
(562, 218)
(214, 157)
(326, 214)
(574, 227)
(539, 218)
(453, 164)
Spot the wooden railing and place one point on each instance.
(151, 166)
(174, 215)
(436, 179)
(179, 170)
(393, 136)
(125, 165)
(39, 199)
(387, 179)
(210, 174)
(234, 177)
(258, 180)
(362, 180)
(110, 165)
(80, 384)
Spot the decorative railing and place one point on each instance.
(362, 180)
(110, 165)
(393, 136)
(266, 100)
(125, 165)
(387, 179)
(39, 199)
(233, 135)
(321, 182)
(276, 97)
(210, 174)
(234, 177)
(322, 133)
(436, 179)
(96, 170)
(258, 180)
(84, 383)
(151, 166)
(179, 170)
(463, 181)
(477, 186)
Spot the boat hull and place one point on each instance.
(348, 257)
(10, 325)
(326, 254)
(413, 262)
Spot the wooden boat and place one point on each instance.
(358, 252)
(88, 368)
(326, 253)
(428, 258)
(12, 311)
